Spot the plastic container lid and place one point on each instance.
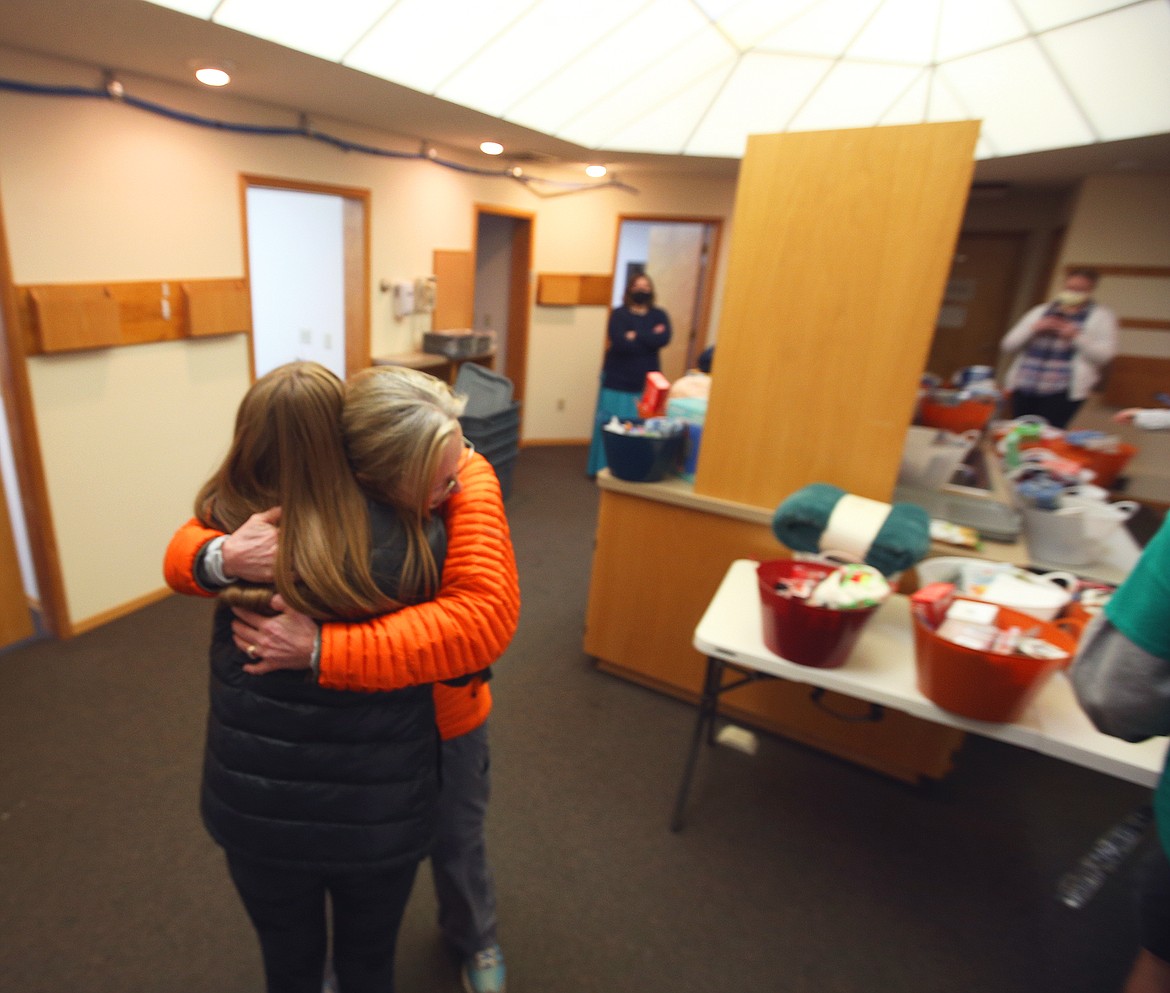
(487, 392)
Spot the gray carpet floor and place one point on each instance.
(796, 872)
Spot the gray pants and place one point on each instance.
(463, 880)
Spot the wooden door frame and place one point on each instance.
(519, 289)
(27, 457)
(356, 261)
(707, 294)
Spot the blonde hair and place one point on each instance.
(396, 423)
(287, 450)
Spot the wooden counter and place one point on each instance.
(437, 365)
(661, 552)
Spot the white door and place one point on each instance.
(296, 263)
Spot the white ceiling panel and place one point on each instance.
(699, 75)
(899, 31)
(531, 50)
(1113, 63)
(712, 10)
(826, 28)
(1044, 14)
(853, 95)
(1023, 103)
(964, 28)
(705, 53)
(747, 23)
(326, 30)
(945, 103)
(403, 46)
(762, 95)
(620, 64)
(667, 128)
(912, 105)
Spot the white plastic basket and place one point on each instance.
(930, 457)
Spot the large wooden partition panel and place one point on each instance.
(841, 247)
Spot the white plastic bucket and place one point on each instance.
(1074, 535)
(931, 456)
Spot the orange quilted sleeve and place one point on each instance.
(183, 550)
(464, 629)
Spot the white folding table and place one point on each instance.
(880, 670)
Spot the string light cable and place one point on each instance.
(115, 91)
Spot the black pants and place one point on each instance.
(287, 908)
(1056, 408)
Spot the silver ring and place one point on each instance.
(251, 651)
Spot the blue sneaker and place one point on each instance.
(484, 971)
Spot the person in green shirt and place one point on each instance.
(1121, 676)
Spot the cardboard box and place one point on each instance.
(653, 402)
(931, 603)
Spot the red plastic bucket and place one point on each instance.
(987, 686)
(812, 636)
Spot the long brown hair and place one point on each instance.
(287, 451)
(396, 423)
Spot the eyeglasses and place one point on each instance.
(452, 482)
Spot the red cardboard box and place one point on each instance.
(653, 402)
(931, 603)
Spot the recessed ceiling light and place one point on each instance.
(596, 171)
(215, 75)
(491, 147)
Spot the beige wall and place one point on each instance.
(95, 190)
(1125, 220)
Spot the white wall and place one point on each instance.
(296, 267)
(94, 190)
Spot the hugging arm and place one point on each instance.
(465, 628)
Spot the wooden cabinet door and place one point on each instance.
(841, 246)
(454, 291)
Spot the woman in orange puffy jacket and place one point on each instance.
(450, 639)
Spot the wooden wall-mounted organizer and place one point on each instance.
(76, 317)
(556, 289)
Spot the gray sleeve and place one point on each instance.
(209, 565)
(1123, 688)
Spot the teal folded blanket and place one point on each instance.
(902, 540)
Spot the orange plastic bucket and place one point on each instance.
(986, 686)
(966, 415)
(814, 636)
(1107, 465)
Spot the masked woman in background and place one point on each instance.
(637, 332)
(389, 414)
(1060, 351)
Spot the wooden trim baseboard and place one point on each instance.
(114, 613)
(543, 442)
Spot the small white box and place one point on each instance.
(973, 611)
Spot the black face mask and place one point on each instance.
(640, 297)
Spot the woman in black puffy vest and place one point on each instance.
(314, 792)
